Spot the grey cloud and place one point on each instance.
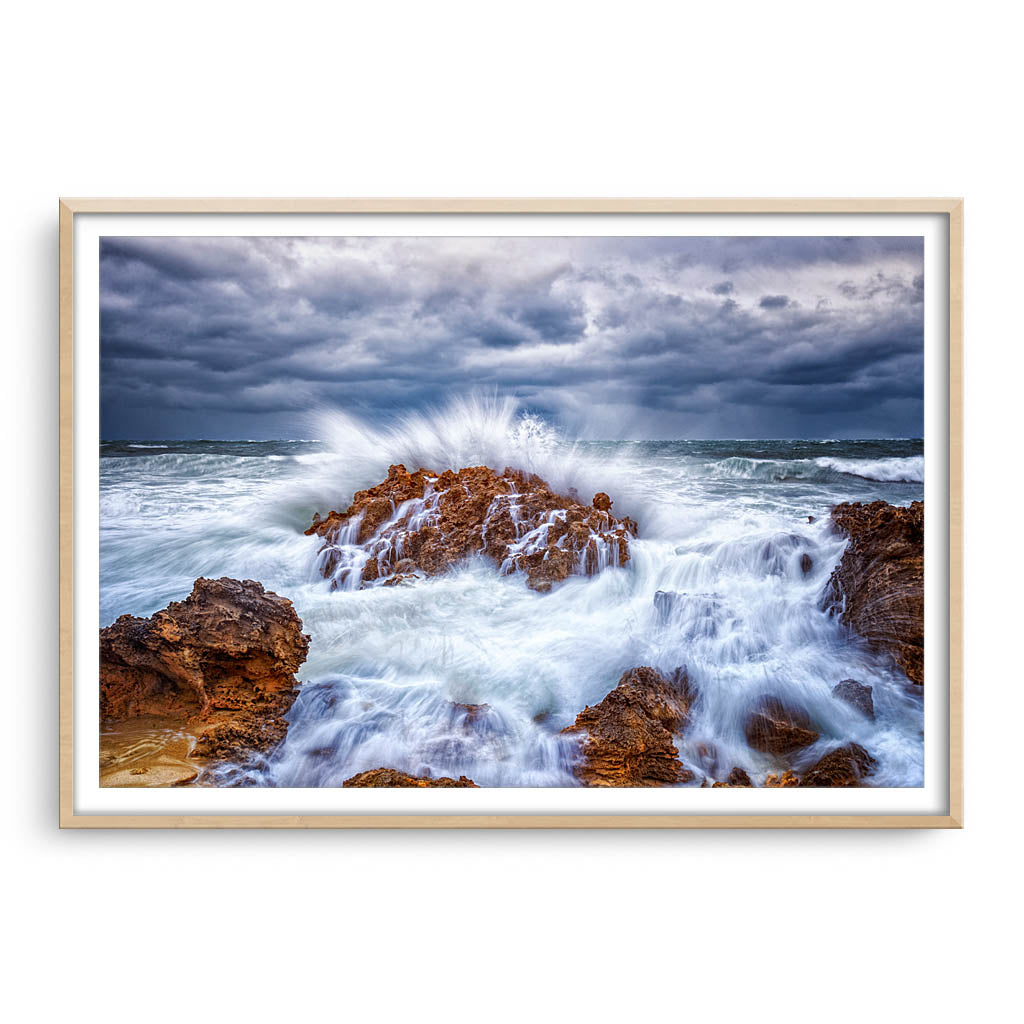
(243, 336)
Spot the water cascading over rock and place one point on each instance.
(427, 522)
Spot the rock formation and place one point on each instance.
(878, 586)
(774, 727)
(429, 521)
(784, 781)
(390, 778)
(856, 695)
(738, 779)
(843, 767)
(627, 737)
(221, 662)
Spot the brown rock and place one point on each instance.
(856, 694)
(878, 586)
(513, 518)
(784, 781)
(806, 563)
(776, 728)
(738, 779)
(221, 662)
(390, 778)
(846, 766)
(628, 736)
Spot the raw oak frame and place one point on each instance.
(951, 207)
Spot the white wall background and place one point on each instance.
(518, 99)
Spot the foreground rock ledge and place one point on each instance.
(221, 662)
(427, 522)
(878, 586)
(627, 738)
(391, 778)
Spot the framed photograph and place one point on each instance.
(510, 513)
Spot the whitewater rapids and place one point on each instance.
(715, 583)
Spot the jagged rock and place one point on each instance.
(806, 563)
(628, 735)
(846, 766)
(738, 779)
(784, 781)
(878, 586)
(774, 727)
(221, 662)
(513, 518)
(857, 695)
(390, 778)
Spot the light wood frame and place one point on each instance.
(950, 207)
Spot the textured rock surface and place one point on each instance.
(429, 521)
(878, 586)
(843, 767)
(627, 737)
(221, 661)
(857, 695)
(777, 728)
(389, 778)
(784, 781)
(738, 779)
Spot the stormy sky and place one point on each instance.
(639, 337)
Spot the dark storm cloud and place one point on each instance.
(657, 337)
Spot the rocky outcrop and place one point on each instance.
(844, 767)
(878, 587)
(774, 727)
(427, 522)
(857, 695)
(221, 662)
(627, 738)
(390, 778)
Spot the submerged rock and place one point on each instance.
(391, 778)
(878, 586)
(221, 661)
(774, 727)
(627, 737)
(856, 695)
(430, 521)
(840, 768)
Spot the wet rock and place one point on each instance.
(774, 727)
(806, 563)
(390, 778)
(513, 518)
(221, 662)
(857, 695)
(738, 779)
(784, 781)
(878, 587)
(145, 752)
(844, 767)
(627, 737)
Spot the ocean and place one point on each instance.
(714, 584)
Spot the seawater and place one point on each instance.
(714, 584)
